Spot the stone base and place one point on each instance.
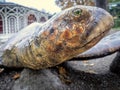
(115, 65)
(38, 80)
(75, 75)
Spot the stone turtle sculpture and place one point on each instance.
(64, 36)
(108, 45)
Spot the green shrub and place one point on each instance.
(116, 23)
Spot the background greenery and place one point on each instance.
(113, 6)
(114, 9)
(113, 1)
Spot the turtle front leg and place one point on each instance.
(115, 65)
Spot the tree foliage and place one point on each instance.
(63, 4)
(112, 1)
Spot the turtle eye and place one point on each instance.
(77, 12)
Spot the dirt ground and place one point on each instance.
(94, 75)
(7, 79)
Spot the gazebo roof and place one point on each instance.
(14, 4)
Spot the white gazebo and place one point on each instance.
(14, 17)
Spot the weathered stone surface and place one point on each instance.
(81, 75)
(96, 66)
(115, 65)
(38, 80)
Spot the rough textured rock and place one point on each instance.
(80, 76)
(115, 65)
(38, 80)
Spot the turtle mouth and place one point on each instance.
(95, 40)
(92, 25)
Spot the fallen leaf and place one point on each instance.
(62, 71)
(16, 76)
(1, 70)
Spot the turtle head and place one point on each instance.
(82, 26)
(75, 30)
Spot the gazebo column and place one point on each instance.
(6, 26)
(17, 28)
